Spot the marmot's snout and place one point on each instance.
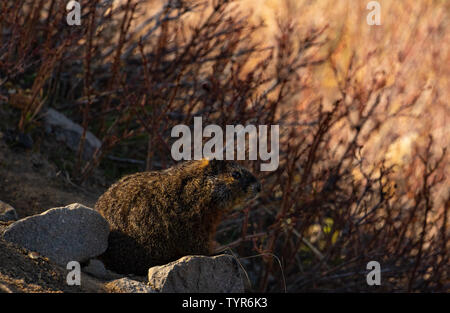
(254, 187)
(250, 184)
(253, 191)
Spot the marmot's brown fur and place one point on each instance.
(158, 217)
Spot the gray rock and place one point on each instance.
(127, 285)
(71, 233)
(7, 212)
(198, 274)
(96, 268)
(70, 133)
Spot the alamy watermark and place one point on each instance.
(374, 16)
(73, 278)
(214, 147)
(74, 15)
(373, 278)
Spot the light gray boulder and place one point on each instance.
(71, 233)
(7, 212)
(198, 274)
(70, 133)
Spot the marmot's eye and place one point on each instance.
(236, 175)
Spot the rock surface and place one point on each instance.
(127, 285)
(71, 233)
(96, 268)
(7, 212)
(198, 274)
(70, 133)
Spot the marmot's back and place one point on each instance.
(158, 217)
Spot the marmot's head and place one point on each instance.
(232, 183)
(215, 184)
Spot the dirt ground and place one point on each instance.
(32, 184)
(21, 271)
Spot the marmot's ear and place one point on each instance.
(204, 162)
(214, 165)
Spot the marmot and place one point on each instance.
(158, 217)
